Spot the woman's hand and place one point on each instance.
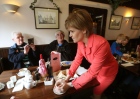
(68, 76)
(65, 87)
(59, 82)
(62, 85)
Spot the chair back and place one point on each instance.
(6, 64)
(1, 67)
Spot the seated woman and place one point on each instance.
(22, 54)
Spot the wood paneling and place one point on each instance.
(132, 3)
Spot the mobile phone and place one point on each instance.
(30, 40)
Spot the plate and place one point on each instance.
(66, 63)
(127, 55)
(62, 74)
(2, 86)
(130, 60)
(81, 70)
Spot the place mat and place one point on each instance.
(127, 64)
(81, 70)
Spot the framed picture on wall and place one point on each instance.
(46, 18)
(115, 22)
(135, 23)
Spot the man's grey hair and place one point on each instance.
(15, 33)
(59, 31)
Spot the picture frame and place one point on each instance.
(115, 22)
(135, 23)
(46, 18)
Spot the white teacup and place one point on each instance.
(29, 85)
(10, 84)
(22, 71)
(28, 78)
(27, 73)
(13, 78)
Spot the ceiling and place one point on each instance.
(132, 3)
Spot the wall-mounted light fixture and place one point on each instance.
(127, 19)
(11, 8)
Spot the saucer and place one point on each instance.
(57, 92)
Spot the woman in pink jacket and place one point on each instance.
(95, 49)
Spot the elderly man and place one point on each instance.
(21, 53)
(59, 45)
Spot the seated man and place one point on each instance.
(59, 45)
(22, 54)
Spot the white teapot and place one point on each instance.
(28, 82)
(27, 72)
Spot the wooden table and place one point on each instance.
(133, 69)
(39, 92)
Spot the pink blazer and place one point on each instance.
(98, 53)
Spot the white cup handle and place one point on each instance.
(34, 83)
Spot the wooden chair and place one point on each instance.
(1, 67)
(6, 64)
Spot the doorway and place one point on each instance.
(98, 15)
(98, 25)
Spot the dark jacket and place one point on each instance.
(64, 49)
(125, 49)
(16, 57)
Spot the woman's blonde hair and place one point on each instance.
(80, 19)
